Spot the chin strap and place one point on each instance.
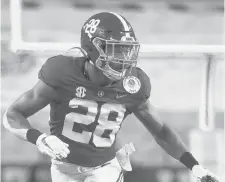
(86, 71)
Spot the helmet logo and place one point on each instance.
(132, 84)
(91, 27)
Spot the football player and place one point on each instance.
(90, 96)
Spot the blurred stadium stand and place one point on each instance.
(201, 24)
(156, 22)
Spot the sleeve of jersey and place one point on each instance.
(143, 95)
(52, 71)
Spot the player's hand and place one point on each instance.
(52, 146)
(203, 175)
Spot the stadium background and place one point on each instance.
(176, 83)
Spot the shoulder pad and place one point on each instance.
(57, 70)
(143, 90)
(145, 83)
(141, 86)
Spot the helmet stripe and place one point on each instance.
(125, 25)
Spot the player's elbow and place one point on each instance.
(6, 119)
(9, 118)
(14, 123)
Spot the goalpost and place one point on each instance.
(212, 53)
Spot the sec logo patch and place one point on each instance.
(81, 92)
(132, 84)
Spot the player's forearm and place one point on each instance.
(173, 145)
(16, 123)
(170, 142)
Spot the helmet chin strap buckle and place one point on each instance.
(99, 63)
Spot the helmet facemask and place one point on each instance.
(116, 58)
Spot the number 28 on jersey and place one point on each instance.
(94, 123)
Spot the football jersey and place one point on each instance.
(86, 116)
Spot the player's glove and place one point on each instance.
(203, 175)
(52, 146)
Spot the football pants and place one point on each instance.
(66, 172)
